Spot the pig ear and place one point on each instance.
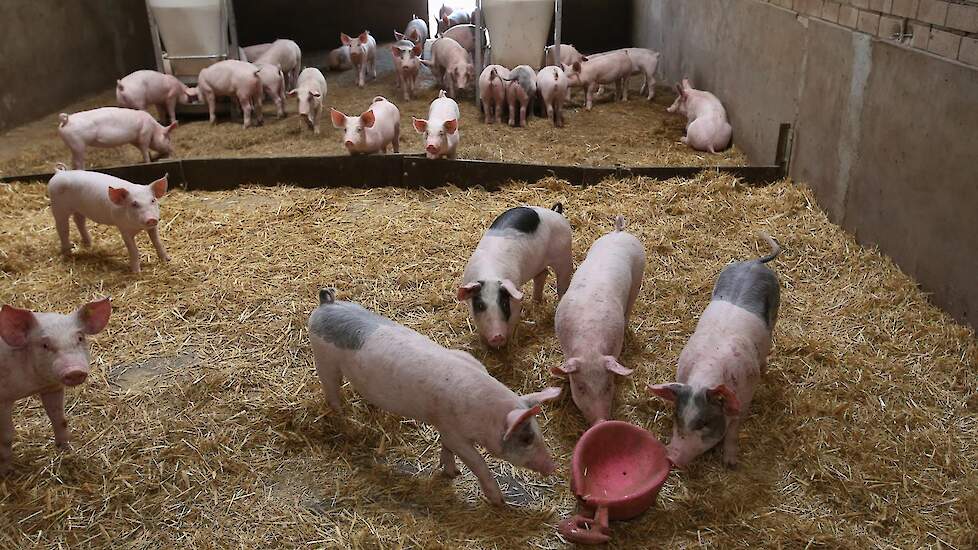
(537, 398)
(94, 316)
(345, 39)
(291, 93)
(118, 195)
(686, 84)
(584, 58)
(118, 85)
(570, 366)
(395, 51)
(15, 323)
(170, 128)
(363, 37)
(577, 66)
(669, 392)
(420, 125)
(612, 365)
(417, 49)
(159, 186)
(444, 20)
(517, 417)
(467, 290)
(339, 119)
(680, 90)
(314, 93)
(511, 288)
(726, 396)
(451, 126)
(368, 118)
(397, 36)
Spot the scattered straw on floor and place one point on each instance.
(632, 133)
(203, 424)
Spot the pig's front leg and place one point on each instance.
(731, 445)
(130, 240)
(447, 462)
(6, 436)
(589, 97)
(54, 405)
(473, 459)
(512, 112)
(154, 236)
(538, 283)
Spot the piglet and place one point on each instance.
(232, 78)
(465, 36)
(644, 62)
(707, 129)
(287, 56)
(407, 374)
(723, 361)
(591, 318)
(492, 91)
(363, 54)
(310, 91)
(520, 245)
(339, 59)
(440, 130)
(142, 89)
(612, 68)
(273, 85)
(255, 51)
(568, 55)
(416, 31)
(407, 65)
(108, 200)
(378, 128)
(40, 354)
(521, 91)
(552, 87)
(451, 65)
(452, 18)
(113, 127)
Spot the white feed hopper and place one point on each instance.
(192, 34)
(518, 29)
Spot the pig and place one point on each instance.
(465, 36)
(113, 127)
(416, 31)
(441, 129)
(108, 200)
(451, 65)
(568, 55)
(723, 361)
(644, 62)
(41, 353)
(141, 89)
(520, 245)
(339, 59)
(552, 86)
(521, 89)
(373, 131)
(606, 69)
(407, 65)
(287, 55)
(233, 78)
(402, 372)
(452, 18)
(591, 319)
(310, 91)
(254, 52)
(707, 129)
(362, 53)
(492, 91)
(444, 10)
(273, 84)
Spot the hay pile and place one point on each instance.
(203, 423)
(633, 133)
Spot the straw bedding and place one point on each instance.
(635, 133)
(203, 424)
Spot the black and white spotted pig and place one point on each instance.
(402, 372)
(520, 245)
(723, 361)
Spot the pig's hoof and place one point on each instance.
(64, 446)
(451, 470)
(730, 460)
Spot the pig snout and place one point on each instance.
(543, 464)
(151, 222)
(496, 340)
(348, 144)
(74, 376)
(431, 148)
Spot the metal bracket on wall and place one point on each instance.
(782, 158)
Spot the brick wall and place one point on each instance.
(945, 28)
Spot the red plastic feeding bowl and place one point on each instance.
(617, 471)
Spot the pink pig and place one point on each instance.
(372, 132)
(233, 78)
(520, 93)
(142, 89)
(41, 354)
(407, 65)
(707, 129)
(339, 59)
(416, 31)
(723, 361)
(273, 85)
(612, 68)
(520, 245)
(441, 128)
(310, 90)
(113, 127)
(402, 372)
(644, 62)
(492, 91)
(591, 318)
(107, 200)
(286, 55)
(254, 52)
(451, 65)
(452, 18)
(552, 86)
(363, 54)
